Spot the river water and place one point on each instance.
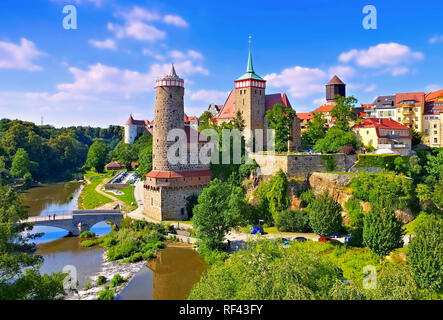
(170, 276)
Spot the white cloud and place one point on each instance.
(300, 81)
(100, 80)
(139, 14)
(436, 39)
(388, 55)
(137, 30)
(341, 71)
(105, 44)
(190, 54)
(150, 53)
(433, 87)
(319, 101)
(195, 55)
(209, 96)
(370, 88)
(19, 57)
(175, 20)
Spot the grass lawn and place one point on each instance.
(128, 197)
(89, 199)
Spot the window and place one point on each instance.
(152, 201)
(182, 211)
(435, 131)
(435, 140)
(435, 126)
(367, 131)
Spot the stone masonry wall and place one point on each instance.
(302, 165)
(167, 203)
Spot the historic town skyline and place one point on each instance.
(105, 70)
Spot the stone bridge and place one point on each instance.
(77, 221)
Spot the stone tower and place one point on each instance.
(334, 87)
(169, 113)
(250, 97)
(168, 185)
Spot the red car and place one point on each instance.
(324, 239)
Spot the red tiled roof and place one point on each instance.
(335, 80)
(432, 96)
(187, 119)
(382, 123)
(367, 105)
(228, 110)
(363, 114)
(419, 97)
(178, 174)
(325, 108)
(305, 116)
(277, 98)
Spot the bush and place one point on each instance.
(384, 161)
(88, 243)
(88, 285)
(328, 162)
(101, 280)
(355, 212)
(106, 294)
(211, 256)
(307, 197)
(293, 221)
(117, 280)
(325, 215)
(87, 234)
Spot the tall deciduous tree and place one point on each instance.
(325, 215)
(342, 111)
(382, 232)
(220, 207)
(425, 254)
(316, 131)
(21, 165)
(97, 155)
(280, 119)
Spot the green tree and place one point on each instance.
(19, 275)
(124, 153)
(425, 254)
(277, 196)
(394, 282)
(345, 291)
(280, 119)
(434, 164)
(382, 232)
(336, 139)
(144, 161)
(325, 215)
(267, 271)
(316, 130)
(342, 111)
(21, 165)
(97, 155)
(239, 122)
(220, 207)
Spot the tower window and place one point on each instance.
(182, 211)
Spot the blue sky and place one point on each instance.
(103, 71)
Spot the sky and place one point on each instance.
(105, 69)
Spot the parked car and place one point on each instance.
(300, 239)
(255, 230)
(286, 241)
(335, 235)
(324, 239)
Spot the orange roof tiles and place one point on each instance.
(305, 116)
(419, 97)
(325, 108)
(432, 96)
(178, 174)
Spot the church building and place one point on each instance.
(249, 96)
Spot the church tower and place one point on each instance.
(250, 96)
(334, 87)
(168, 186)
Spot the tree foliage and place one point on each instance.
(97, 156)
(316, 130)
(336, 139)
(342, 111)
(425, 254)
(19, 275)
(325, 215)
(280, 119)
(220, 208)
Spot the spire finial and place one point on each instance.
(250, 68)
(172, 72)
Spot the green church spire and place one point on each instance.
(250, 74)
(250, 68)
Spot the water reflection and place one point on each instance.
(170, 276)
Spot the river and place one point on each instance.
(169, 276)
